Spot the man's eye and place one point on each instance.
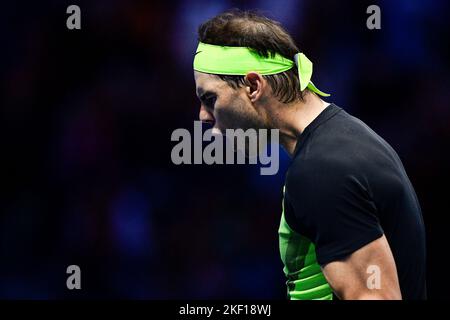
(209, 102)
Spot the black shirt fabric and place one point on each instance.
(346, 187)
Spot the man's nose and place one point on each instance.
(205, 116)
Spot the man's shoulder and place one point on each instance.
(341, 134)
(342, 146)
(344, 142)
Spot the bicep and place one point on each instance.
(368, 273)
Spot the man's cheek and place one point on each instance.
(224, 118)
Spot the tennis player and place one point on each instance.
(351, 226)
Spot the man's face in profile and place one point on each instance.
(223, 106)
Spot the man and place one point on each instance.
(351, 225)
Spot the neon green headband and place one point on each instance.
(240, 60)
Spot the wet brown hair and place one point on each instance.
(250, 29)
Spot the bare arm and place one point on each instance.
(356, 277)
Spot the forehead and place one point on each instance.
(208, 82)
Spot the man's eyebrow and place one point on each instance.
(202, 93)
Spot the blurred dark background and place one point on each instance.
(87, 117)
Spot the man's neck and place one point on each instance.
(292, 119)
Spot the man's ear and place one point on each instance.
(256, 85)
